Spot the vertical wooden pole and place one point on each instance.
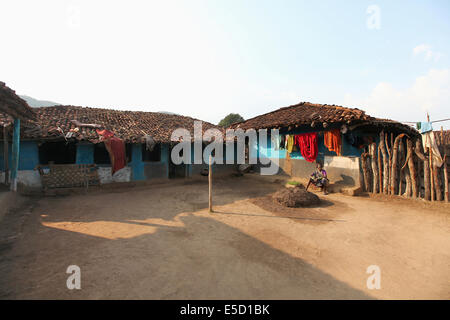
(6, 154)
(366, 173)
(430, 158)
(412, 169)
(426, 169)
(375, 174)
(380, 170)
(388, 149)
(444, 166)
(383, 148)
(210, 184)
(401, 156)
(15, 154)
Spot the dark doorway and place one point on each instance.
(176, 170)
(57, 152)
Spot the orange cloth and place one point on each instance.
(332, 140)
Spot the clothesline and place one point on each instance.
(410, 122)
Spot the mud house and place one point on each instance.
(13, 109)
(341, 135)
(65, 146)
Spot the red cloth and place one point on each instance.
(105, 133)
(307, 142)
(116, 150)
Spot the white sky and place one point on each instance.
(208, 58)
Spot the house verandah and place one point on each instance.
(65, 140)
(356, 131)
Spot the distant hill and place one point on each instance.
(34, 103)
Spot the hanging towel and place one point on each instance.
(290, 142)
(418, 125)
(308, 145)
(116, 149)
(428, 141)
(425, 127)
(332, 140)
(282, 141)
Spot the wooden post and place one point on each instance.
(401, 159)
(6, 154)
(426, 169)
(373, 157)
(210, 184)
(365, 171)
(15, 154)
(445, 179)
(383, 147)
(380, 170)
(412, 168)
(444, 167)
(430, 158)
(389, 151)
(394, 168)
(437, 183)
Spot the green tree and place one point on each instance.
(230, 119)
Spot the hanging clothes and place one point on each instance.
(149, 142)
(425, 127)
(290, 143)
(332, 140)
(429, 141)
(307, 143)
(282, 141)
(116, 149)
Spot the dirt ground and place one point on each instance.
(160, 242)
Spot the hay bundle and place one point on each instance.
(296, 197)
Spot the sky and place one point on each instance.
(206, 59)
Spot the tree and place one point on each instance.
(230, 119)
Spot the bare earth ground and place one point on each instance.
(160, 242)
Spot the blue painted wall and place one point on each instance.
(85, 153)
(269, 151)
(165, 157)
(28, 155)
(138, 167)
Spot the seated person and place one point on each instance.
(319, 179)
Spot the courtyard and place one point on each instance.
(160, 242)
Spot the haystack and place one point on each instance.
(296, 197)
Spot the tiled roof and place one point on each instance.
(13, 105)
(128, 125)
(303, 113)
(306, 113)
